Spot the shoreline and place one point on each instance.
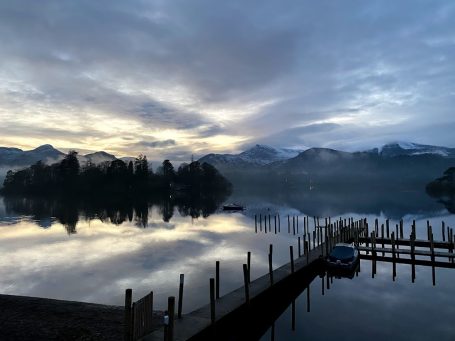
(33, 318)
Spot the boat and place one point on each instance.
(343, 256)
(233, 207)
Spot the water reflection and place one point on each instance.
(68, 211)
(355, 307)
(394, 205)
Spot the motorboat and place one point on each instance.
(343, 256)
(233, 207)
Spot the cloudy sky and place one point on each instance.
(175, 78)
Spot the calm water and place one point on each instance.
(71, 252)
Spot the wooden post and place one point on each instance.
(289, 225)
(171, 312)
(275, 223)
(411, 241)
(387, 227)
(382, 236)
(304, 244)
(291, 253)
(297, 220)
(394, 256)
(308, 298)
(298, 243)
(248, 262)
(260, 222)
(279, 223)
(128, 319)
(270, 269)
(443, 232)
(246, 284)
(212, 300)
(270, 225)
(180, 302)
(256, 223)
(432, 258)
(401, 228)
(293, 225)
(217, 279)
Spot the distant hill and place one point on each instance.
(18, 157)
(15, 158)
(258, 155)
(395, 166)
(410, 149)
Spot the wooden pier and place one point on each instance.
(215, 320)
(271, 293)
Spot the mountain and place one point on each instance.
(409, 148)
(258, 155)
(20, 158)
(96, 158)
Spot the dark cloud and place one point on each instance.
(156, 144)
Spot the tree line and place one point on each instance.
(116, 177)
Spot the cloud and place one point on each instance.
(156, 144)
(198, 72)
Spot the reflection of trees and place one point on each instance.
(68, 211)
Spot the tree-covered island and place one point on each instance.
(115, 178)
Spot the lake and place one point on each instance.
(74, 251)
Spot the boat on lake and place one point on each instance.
(343, 256)
(233, 207)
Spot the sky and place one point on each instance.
(174, 78)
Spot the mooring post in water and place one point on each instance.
(387, 228)
(297, 221)
(394, 265)
(279, 223)
(275, 223)
(256, 222)
(291, 254)
(217, 279)
(171, 312)
(299, 249)
(293, 225)
(128, 319)
(270, 269)
(260, 222)
(443, 232)
(270, 225)
(245, 282)
(401, 228)
(304, 244)
(180, 301)
(411, 242)
(248, 263)
(212, 300)
(397, 244)
(433, 274)
(308, 298)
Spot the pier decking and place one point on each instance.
(260, 296)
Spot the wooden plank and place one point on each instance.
(407, 242)
(421, 262)
(407, 252)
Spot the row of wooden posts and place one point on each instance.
(138, 315)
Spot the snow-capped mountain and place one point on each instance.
(258, 155)
(19, 157)
(96, 158)
(409, 148)
(262, 154)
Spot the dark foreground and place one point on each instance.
(31, 318)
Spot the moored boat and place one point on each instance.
(233, 207)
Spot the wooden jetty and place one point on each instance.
(215, 320)
(253, 307)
